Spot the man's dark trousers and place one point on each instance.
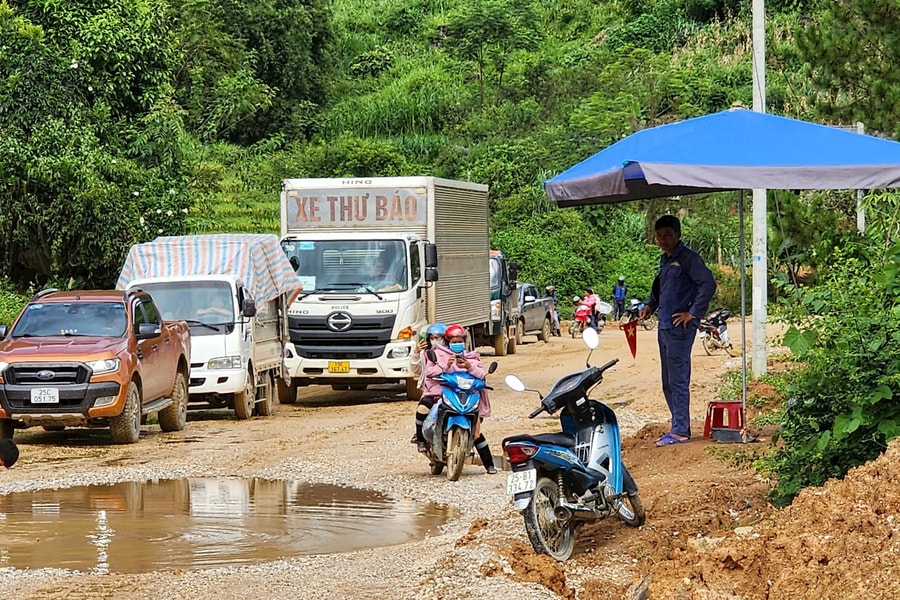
(675, 363)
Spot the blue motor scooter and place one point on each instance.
(450, 429)
(560, 480)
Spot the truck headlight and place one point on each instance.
(495, 310)
(399, 352)
(224, 362)
(104, 365)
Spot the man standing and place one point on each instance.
(685, 288)
(619, 293)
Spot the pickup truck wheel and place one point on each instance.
(125, 428)
(546, 330)
(174, 416)
(512, 344)
(245, 400)
(501, 341)
(266, 407)
(6, 429)
(287, 392)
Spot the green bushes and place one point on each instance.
(843, 408)
(11, 304)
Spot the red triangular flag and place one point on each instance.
(630, 329)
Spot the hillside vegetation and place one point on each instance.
(126, 119)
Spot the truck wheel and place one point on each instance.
(266, 408)
(520, 331)
(546, 329)
(245, 400)
(125, 428)
(6, 429)
(511, 345)
(287, 392)
(500, 343)
(174, 416)
(412, 390)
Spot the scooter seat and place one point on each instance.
(557, 439)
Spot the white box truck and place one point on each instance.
(369, 253)
(233, 291)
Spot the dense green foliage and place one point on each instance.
(843, 408)
(126, 119)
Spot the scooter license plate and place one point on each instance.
(521, 481)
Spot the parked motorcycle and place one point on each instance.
(561, 480)
(713, 332)
(449, 429)
(633, 311)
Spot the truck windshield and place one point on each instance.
(349, 265)
(207, 306)
(97, 319)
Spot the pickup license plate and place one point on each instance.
(45, 395)
(338, 366)
(521, 481)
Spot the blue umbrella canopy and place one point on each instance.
(729, 150)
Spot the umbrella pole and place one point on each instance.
(743, 304)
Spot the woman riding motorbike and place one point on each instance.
(449, 358)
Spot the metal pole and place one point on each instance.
(743, 264)
(860, 211)
(760, 267)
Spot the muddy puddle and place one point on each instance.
(137, 527)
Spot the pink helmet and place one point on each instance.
(455, 330)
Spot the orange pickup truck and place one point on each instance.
(93, 359)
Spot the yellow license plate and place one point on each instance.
(338, 366)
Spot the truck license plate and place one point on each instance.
(45, 395)
(521, 481)
(338, 366)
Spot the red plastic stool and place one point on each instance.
(723, 415)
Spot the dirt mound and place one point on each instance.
(837, 541)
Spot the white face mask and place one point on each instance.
(437, 341)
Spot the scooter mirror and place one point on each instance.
(492, 367)
(514, 383)
(591, 338)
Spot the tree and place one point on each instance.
(489, 32)
(90, 142)
(850, 49)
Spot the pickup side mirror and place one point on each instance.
(248, 307)
(147, 330)
(513, 271)
(3, 332)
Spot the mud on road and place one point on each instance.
(361, 439)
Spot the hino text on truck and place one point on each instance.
(232, 290)
(369, 253)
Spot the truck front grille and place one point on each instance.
(366, 338)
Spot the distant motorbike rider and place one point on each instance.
(591, 300)
(619, 294)
(449, 358)
(551, 293)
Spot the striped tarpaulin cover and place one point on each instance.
(256, 258)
